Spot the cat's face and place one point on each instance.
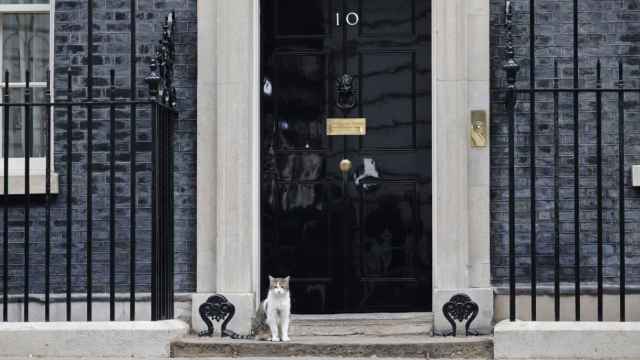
(279, 285)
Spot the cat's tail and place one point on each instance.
(232, 334)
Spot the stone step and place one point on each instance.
(362, 324)
(409, 346)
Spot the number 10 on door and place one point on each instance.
(352, 19)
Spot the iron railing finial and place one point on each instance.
(160, 80)
(153, 79)
(511, 66)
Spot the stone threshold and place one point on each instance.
(427, 316)
(366, 324)
(414, 346)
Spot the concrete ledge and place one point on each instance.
(90, 339)
(566, 340)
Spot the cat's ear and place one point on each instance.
(287, 278)
(270, 278)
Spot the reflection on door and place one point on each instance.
(358, 241)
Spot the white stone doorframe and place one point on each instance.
(228, 162)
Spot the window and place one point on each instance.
(25, 30)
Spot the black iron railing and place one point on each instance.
(140, 131)
(570, 105)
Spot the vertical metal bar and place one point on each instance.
(5, 199)
(621, 198)
(112, 200)
(154, 209)
(89, 159)
(511, 68)
(132, 216)
(160, 208)
(133, 61)
(27, 190)
(69, 191)
(165, 210)
(576, 161)
(532, 152)
(48, 154)
(556, 191)
(132, 195)
(165, 202)
(599, 186)
(90, 49)
(512, 243)
(89, 244)
(171, 219)
(153, 80)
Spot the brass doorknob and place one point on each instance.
(345, 165)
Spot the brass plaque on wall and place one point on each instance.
(479, 136)
(346, 126)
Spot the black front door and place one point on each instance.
(357, 240)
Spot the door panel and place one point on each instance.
(386, 18)
(358, 241)
(301, 99)
(301, 18)
(387, 98)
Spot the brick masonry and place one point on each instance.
(609, 31)
(112, 51)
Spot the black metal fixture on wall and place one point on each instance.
(345, 93)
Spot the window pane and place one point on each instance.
(17, 123)
(25, 41)
(3, 2)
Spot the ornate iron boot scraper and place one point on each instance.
(218, 308)
(460, 308)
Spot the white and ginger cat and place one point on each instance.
(272, 316)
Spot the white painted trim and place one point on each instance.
(207, 142)
(20, 85)
(460, 63)
(37, 176)
(37, 184)
(255, 150)
(229, 247)
(37, 164)
(27, 8)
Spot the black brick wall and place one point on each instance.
(609, 31)
(112, 51)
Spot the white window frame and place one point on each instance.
(37, 165)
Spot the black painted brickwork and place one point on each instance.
(609, 30)
(112, 51)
